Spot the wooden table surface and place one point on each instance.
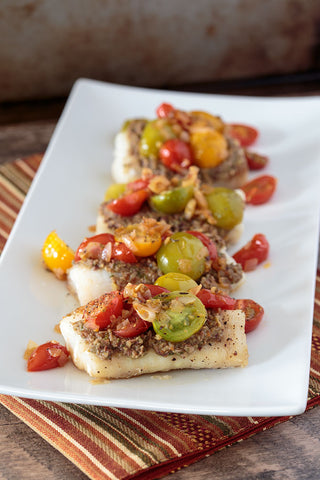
(289, 451)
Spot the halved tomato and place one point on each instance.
(139, 184)
(132, 326)
(99, 312)
(256, 161)
(46, 356)
(119, 251)
(245, 134)
(253, 312)
(253, 253)
(176, 154)
(212, 249)
(260, 189)
(129, 204)
(156, 289)
(216, 300)
(164, 110)
(102, 238)
(139, 240)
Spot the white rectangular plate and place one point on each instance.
(65, 196)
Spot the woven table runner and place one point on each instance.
(113, 443)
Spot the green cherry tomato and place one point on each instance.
(153, 136)
(114, 191)
(176, 281)
(182, 314)
(172, 201)
(226, 206)
(183, 253)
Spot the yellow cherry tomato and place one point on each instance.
(201, 119)
(209, 148)
(115, 190)
(176, 281)
(57, 256)
(141, 241)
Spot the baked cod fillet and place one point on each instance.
(220, 343)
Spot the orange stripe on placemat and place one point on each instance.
(149, 425)
(57, 437)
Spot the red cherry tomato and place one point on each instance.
(253, 312)
(253, 253)
(98, 312)
(156, 289)
(132, 326)
(47, 356)
(260, 189)
(256, 161)
(216, 300)
(207, 243)
(176, 154)
(102, 238)
(129, 204)
(139, 184)
(245, 134)
(164, 110)
(119, 251)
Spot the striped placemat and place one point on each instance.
(113, 443)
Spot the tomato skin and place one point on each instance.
(47, 356)
(102, 238)
(132, 327)
(253, 312)
(245, 134)
(260, 189)
(129, 204)
(176, 154)
(164, 110)
(212, 249)
(156, 289)
(216, 300)
(253, 253)
(98, 312)
(256, 161)
(139, 184)
(119, 250)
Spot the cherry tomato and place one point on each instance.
(175, 282)
(245, 134)
(139, 240)
(102, 238)
(207, 243)
(216, 300)
(254, 252)
(172, 201)
(98, 312)
(260, 189)
(129, 204)
(209, 148)
(256, 161)
(131, 327)
(176, 154)
(46, 356)
(164, 110)
(156, 289)
(182, 315)
(253, 312)
(139, 184)
(119, 251)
